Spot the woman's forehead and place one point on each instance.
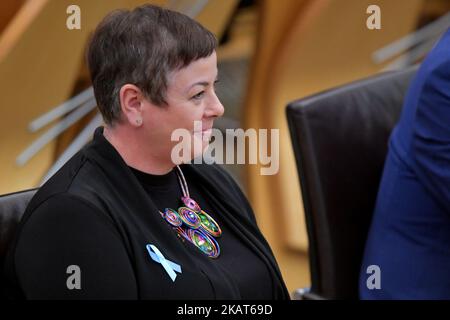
(200, 71)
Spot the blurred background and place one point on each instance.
(271, 52)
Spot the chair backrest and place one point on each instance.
(340, 140)
(12, 207)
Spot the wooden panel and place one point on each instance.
(8, 8)
(327, 45)
(216, 15)
(275, 20)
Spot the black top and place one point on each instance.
(99, 214)
(252, 278)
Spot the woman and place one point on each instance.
(121, 220)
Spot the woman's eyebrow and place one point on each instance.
(202, 83)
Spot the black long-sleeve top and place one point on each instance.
(98, 214)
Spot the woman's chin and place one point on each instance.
(198, 151)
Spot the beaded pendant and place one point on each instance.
(192, 223)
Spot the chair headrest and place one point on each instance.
(12, 208)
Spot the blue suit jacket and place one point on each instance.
(409, 237)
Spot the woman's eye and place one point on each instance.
(198, 95)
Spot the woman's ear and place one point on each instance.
(131, 102)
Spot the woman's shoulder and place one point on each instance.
(63, 208)
(64, 195)
(76, 181)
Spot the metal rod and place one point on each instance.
(411, 56)
(61, 110)
(81, 139)
(54, 131)
(430, 30)
(190, 8)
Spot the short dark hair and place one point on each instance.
(142, 47)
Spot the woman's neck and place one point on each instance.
(136, 154)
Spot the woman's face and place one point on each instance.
(190, 97)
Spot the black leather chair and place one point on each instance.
(340, 140)
(12, 207)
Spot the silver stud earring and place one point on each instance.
(138, 121)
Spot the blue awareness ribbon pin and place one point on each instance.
(168, 265)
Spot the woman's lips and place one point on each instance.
(204, 133)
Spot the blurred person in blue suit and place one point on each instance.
(409, 238)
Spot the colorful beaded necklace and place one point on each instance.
(192, 223)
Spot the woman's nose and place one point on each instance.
(216, 108)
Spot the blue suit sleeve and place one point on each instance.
(431, 136)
